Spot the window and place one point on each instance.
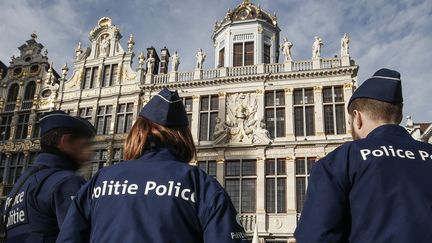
(276, 179)
(36, 127)
(243, 54)
(13, 93)
(28, 96)
(275, 113)
(249, 53)
(103, 120)
(304, 112)
(240, 183)
(117, 155)
(124, 117)
(22, 126)
(334, 110)
(3, 158)
(100, 158)
(15, 168)
(209, 166)
(86, 113)
(208, 115)
(302, 170)
(5, 121)
(221, 57)
(187, 101)
(110, 75)
(12, 96)
(266, 54)
(90, 77)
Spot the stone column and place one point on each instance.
(260, 103)
(220, 170)
(259, 44)
(291, 192)
(222, 106)
(289, 114)
(94, 115)
(260, 192)
(7, 166)
(348, 91)
(319, 122)
(113, 118)
(195, 117)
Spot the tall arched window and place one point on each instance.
(30, 91)
(13, 93)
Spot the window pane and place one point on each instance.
(270, 195)
(338, 94)
(280, 122)
(298, 97)
(269, 98)
(310, 163)
(300, 166)
(232, 187)
(249, 53)
(120, 124)
(106, 76)
(248, 167)
(214, 102)
(328, 119)
(212, 168)
(310, 121)
(238, 55)
(270, 121)
(281, 195)
(232, 168)
(270, 167)
(300, 192)
(281, 166)
(114, 74)
(309, 96)
(266, 56)
(221, 57)
(298, 121)
(280, 98)
(340, 119)
(203, 126)
(327, 95)
(205, 103)
(248, 195)
(213, 117)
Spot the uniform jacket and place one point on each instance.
(377, 189)
(155, 198)
(41, 204)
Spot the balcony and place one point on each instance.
(248, 221)
(287, 67)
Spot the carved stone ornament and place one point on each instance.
(242, 124)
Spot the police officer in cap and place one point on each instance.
(377, 188)
(38, 203)
(154, 196)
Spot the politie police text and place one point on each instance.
(390, 151)
(17, 214)
(169, 189)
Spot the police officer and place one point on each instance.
(377, 188)
(155, 196)
(38, 203)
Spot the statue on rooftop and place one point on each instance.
(345, 45)
(286, 49)
(200, 56)
(175, 61)
(316, 48)
(150, 63)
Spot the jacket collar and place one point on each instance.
(55, 160)
(158, 153)
(389, 129)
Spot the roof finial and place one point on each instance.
(33, 35)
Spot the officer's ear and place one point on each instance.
(64, 142)
(357, 119)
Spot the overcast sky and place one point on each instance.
(395, 34)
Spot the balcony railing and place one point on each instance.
(10, 106)
(27, 105)
(291, 66)
(248, 221)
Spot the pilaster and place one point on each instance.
(195, 117)
(348, 91)
(319, 123)
(289, 111)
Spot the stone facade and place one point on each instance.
(258, 124)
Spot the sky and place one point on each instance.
(395, 34)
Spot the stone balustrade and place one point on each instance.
(248, 221)
(290, 66)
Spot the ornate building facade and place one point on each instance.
(259, 124)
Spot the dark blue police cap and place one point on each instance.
(166, 109)
(59, 119)
(385, 85)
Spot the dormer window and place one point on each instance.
(243, 54)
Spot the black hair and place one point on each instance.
(51, 139)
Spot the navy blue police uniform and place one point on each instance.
(377, 189)
(155, 198)
(37, 204)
